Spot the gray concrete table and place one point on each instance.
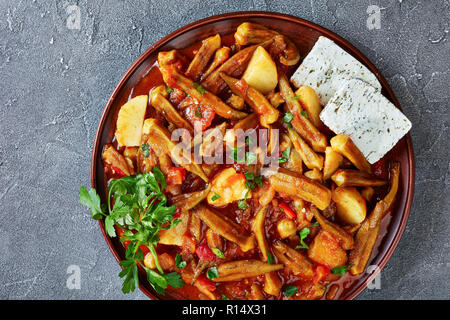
(56, 73)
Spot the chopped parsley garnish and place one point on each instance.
(215, 196)
(218, 253)
(179, 261)
(234, 156)
(242, 204)
(303, 234)
(289, 291)
(258, 181)
(198, 112)
(304, 113)
(212, 273)
(248, 141)
(288, 117)
(270, 258)
(250, 185)
(224, 297)
(169, 90)
(285, 155)
(141, 210)
(145, 150)
(199, 88)
(315, 224)
(295, 97)
(249, 175)
(341, 270)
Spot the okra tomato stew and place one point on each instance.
(243, 227)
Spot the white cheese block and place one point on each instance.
(327, 66)
(373, 123)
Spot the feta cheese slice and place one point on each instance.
(373, 123)
(327, 66)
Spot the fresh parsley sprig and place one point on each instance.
(141, 210)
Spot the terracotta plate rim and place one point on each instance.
(281, 17)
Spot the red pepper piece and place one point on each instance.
(286, 209)
(204, 252)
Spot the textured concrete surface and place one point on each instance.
(55, 81)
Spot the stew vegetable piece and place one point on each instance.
(282, 221)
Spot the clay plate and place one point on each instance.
(304, 34)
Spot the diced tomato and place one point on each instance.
(206, 283)
(175, 175)
(321, 273)
(200, 113)
(120, 232)
(144, 249)
(176, 96)
(177, 213)
(286, 209)
(118, 172)
(379, 168)
(204, 252)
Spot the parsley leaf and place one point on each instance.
(270, 258)
(285, 155)
(242, 204)
(224, 297)
(218, 253)
(303, 234)
(169, 90)
(212, 273)
(215, 196)
(234, 155)
(289, 291)
(198, 112)
(258, 181)
(179, 261)
(250, 185)
(249, 175)
(288, 117)
(145, 150)
(341, 270)
(91, 200)
(249, 141)
(304, 113)
(174, 279)
(199, 88)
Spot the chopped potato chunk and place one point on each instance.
(351, 206)
(261, 72)
(326, 250)
(130, 120)
(228, 186)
